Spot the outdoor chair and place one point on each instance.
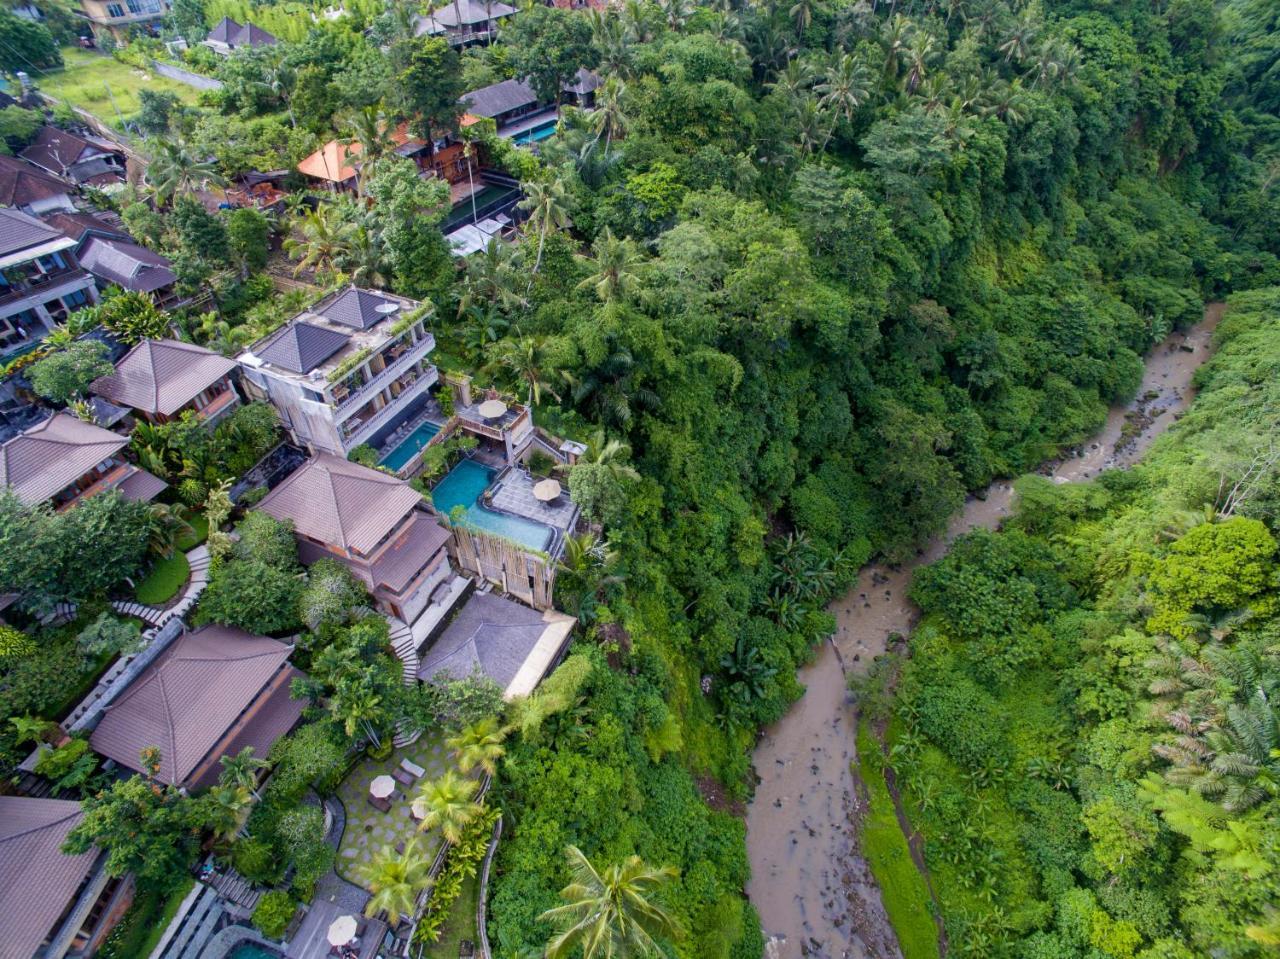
(382, 805)
(403, 777)
(412, 768)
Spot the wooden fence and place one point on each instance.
(527, 576)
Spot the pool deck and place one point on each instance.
(311, 940)
(527, 123)
(513, 494)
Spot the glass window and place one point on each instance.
(115, 10)
(75, 299)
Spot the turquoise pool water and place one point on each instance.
(536, 134)
(250, 950)
(409, 447)
(463, 486)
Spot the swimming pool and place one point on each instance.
(535, 134)
(409, 447)
(464, 485)
(251, 950)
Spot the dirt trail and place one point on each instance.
(814, 891)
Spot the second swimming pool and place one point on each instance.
(409, 447)
(463, 486)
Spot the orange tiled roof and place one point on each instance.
(336, 161)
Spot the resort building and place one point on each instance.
(84, 159)
(379, 528)
(114, 259)
(162, 379)
(464, 22)
(41, 282)
(350, 370)
(336, 165)
(54, 905)
(511, 644)
(65, 460)
(32, 190)
(228, 36)
(212, 693)
(116, 18)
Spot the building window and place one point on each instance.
(75, 299)
(115, 10)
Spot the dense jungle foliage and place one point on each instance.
(877, 258)
(1086, 728)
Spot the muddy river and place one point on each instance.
(814, 892)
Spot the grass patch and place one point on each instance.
(167, 576)
(902, 888)
(84, 80)
(460, 923)
(199, 524)
(144, 923)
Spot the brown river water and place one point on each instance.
(814, 891)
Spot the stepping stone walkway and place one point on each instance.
(198, 560)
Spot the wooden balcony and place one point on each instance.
(219, 405)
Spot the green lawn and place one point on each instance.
(199, 524)
(167, 576)
(460, 924)
(902, 888)
(84, 81)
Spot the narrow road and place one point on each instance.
(814, 891)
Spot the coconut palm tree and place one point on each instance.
(174, 169)
(526, 359)
(921, 52)
(447, 804)
(362, 256)
(608, 119)
(585, 569)
(242, 769)
(606, 451)
(356, 706)
(395, 879)
(1017, 44)
(845, 86)
(479, 744)
(613, 913)
(616, 263)
(228, 807)
(493, 278)
(370, 128)
(320, 241)
(802, 15)
(547, 202)
(168, 525)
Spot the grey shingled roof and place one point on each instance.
(126, 264)
(301, 346)
(18, 231)
(356, 308)
(52, 455)
(499, 98)
(235, 34)
(37, 880)
(22, 183)
(490, 632)
(162, 376)
(225, 31)
(188, 699)
(332, 500)
(404, 557)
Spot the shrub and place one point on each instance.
(253, 596)
(272, 914)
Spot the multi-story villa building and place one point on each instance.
(115, 17)
(349, 370)
(162, 379)
(41, 282)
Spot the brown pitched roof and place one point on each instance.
(37, 880)
(76, 225)
(188, 699)
(272, 715)
(21, 183)
(52, 455)
(402, 559)
(335, 501)
(57, 150)
(125, 264)
(162, 376)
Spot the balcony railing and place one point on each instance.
(36, 285)
(353, 400)
(217, 405)
(393, 409)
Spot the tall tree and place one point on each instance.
(395, 879)
(428, 86)
(550, 45)
(447, 804)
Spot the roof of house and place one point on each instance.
(126, 264)
(404, 558)
(19, 231)
(491, 633)
(52, 455)
(235, 34)
(57, 150)
(332, 500)
(499, 98)
(22, 183)
(472, 11)
(162, 376)
(189, 699)
(584, 81)
(337, 162)
(37, 879)
(300, 346)
(357, 308)
(76, 225)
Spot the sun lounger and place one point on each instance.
(403, 777)
(412, 768)
(381, 805)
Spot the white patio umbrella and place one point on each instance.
(382, 787)
(546, 491)
(342, 930)
(492, 409)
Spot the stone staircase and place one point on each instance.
(62, 613)
(407, 652)
(151, 615)
(234, 888)
(196, 923)
(198, 560)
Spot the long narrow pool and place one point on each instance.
(409, 447)
(464, 485)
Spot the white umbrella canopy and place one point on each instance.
(492, 409)
(342, 930)
(546, 491)
(382, 787)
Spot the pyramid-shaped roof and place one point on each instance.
(50, 456)
(301, 346)
(162, 376)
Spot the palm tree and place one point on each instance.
(608, 118)
(492, 277)
(606, 451)
(167, 525)
(894, 37)
(356, 707)
(447, 804)
(609, 388)
(395, 879)
(373, 132)
(793, 80)
(813, 128)
(585, 568)
(1017, 45)
(845, 87)
(616, 264)
(920, 53)
(802, 15)
(547, 202)
(611, 914)
(320, 242)
(609, 37)
(228, 807)
(242, 769)
(526, 360)
(362, 254)
(174, 169)
(479, 744)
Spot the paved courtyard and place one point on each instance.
(369, 830)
